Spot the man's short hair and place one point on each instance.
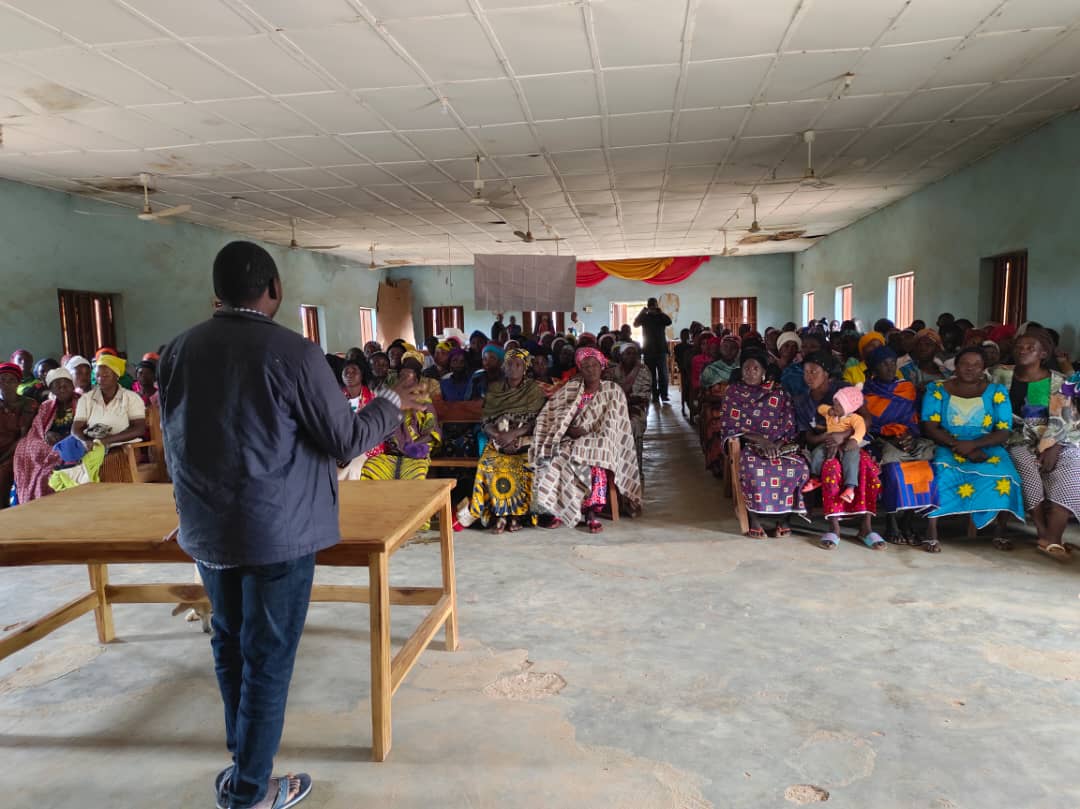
(242, 271)
(653, 302)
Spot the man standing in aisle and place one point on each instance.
(654, 323)
(254, 421)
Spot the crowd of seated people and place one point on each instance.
(911, 425)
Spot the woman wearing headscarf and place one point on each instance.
(772, 469)
(892, 409)
(146, 382)
(714, 384)
(16, 417)
(356, 379)
(490, 371)
(408, 449)
(82, 372)
(456, 386)
(970, 420)
(788, 346)
(924, 367)
(583, 433)
(381, 375)
(634, 379)
(440, 361)
(35, 457)
(109, 414)
(1045, 443)
(502, 490)
(431, 387)
(856, 373)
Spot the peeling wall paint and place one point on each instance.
(162, 274)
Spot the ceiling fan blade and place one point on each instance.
(522, 235)
(319, 246)
(551, 239)
(148, 216)
(95, 213)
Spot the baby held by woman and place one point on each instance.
(842, 415)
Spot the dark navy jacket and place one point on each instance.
(253, 422)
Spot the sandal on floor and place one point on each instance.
(1002, 543)
(899, 539)
(756, 533)
(1056, 550)
(499, 526)
(931, 546)
(221, 785)
(874, 541)
(782, 531)
(555, 523)
(594, 526)
(514, 525)
(281, 801)
(829, 541)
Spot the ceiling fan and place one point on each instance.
(528, 237)
(148, 214)
(479, 199)
(779, 234)
(294, 245)
(727, 251)
(390, 262)
(809, 178)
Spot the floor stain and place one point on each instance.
(49, 666)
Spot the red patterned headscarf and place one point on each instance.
(583, 354)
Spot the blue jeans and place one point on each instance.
(849, 461)
(259, 614)
(658, 370)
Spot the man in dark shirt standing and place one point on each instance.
(253, 422)
(654, 323)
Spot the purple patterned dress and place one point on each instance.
(770, 485)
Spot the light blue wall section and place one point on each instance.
(162, 274)
(1022, 197)
(767, 277)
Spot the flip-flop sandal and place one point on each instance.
(874, 541)
(931, 546)
(782, 531)
(1002, 544)
(1056, 550)
(555, 523)
(221, 784)
(513, 526)
(500, 526)
(829, 541)
(594, 526)
(756, 533)
(281, 801)
(898, 539)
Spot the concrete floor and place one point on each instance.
(666, 663)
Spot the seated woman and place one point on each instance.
(35, 458)
(856, 373)
(109, 414)
(924, 367)
(16, 417)
(409, 447)
(583, 433)
(908, 485)
(490, 373)
(502, 491)
(772, 469)
(381, 375)
(146, 382)
(714, 384)
(1045, 444)
(970, 420)
(430, 387)
(356, 377)
(633, 377)
(820, 372)
(456, 386)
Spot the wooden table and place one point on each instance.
(102, 524)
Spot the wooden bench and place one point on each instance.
(122, 464)
(471, 412)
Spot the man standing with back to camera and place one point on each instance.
(254, 421)
(654, 323)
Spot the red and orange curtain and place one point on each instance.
(658, 271)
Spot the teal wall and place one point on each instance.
(767, 277)
(162, 274)
(1024, 196)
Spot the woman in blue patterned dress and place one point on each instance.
(970, 420)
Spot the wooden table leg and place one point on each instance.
(446, 542)
(103, 617)
(381, 687)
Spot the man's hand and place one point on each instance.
(408, 397)
(171, 536)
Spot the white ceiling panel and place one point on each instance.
(637, 32)
(639, 158)
(926, 20)
(710, 124)
(395, 9)
(194, 18)
(335, 49)
(195, 120)
(259, 154)
(689, 154)
(132, 126)
(902, 67)
(1003, 98)
(442, 144)
(929, 105)
(107, 23)
(994, 56)
(586, 161)
(485, 102)
(863, 23)
(264, 117)
(549, 39)
(1032, 14)
(267, 63)
(449, 48)
(855, 112)
(506, 139)
(319, 151)
(808, 75)
(574, 133)
(182, 70)
(310, 13)
(570, 95)
(1065, 97)
(336, 113)
(725, 84)
(17, 33)
(381, 147)
(641, 90)
(1062, 58)
(783, 119)
(723, 29)
(649, 127)
(93, 74)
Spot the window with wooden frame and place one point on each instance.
(530, 319)
(844, 304)
(1010, 289)
(439, 318)
(367, 325)
(730, 313)
(86, 321)
(807, 307)
(309, 321)
(902, 299)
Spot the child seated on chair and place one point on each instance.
(840, 417)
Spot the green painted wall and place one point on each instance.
(1021, 197)
(161, 274)
(766, 277)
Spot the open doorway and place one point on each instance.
(625, 312)
(367, 325)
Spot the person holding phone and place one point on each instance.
(654, 322)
